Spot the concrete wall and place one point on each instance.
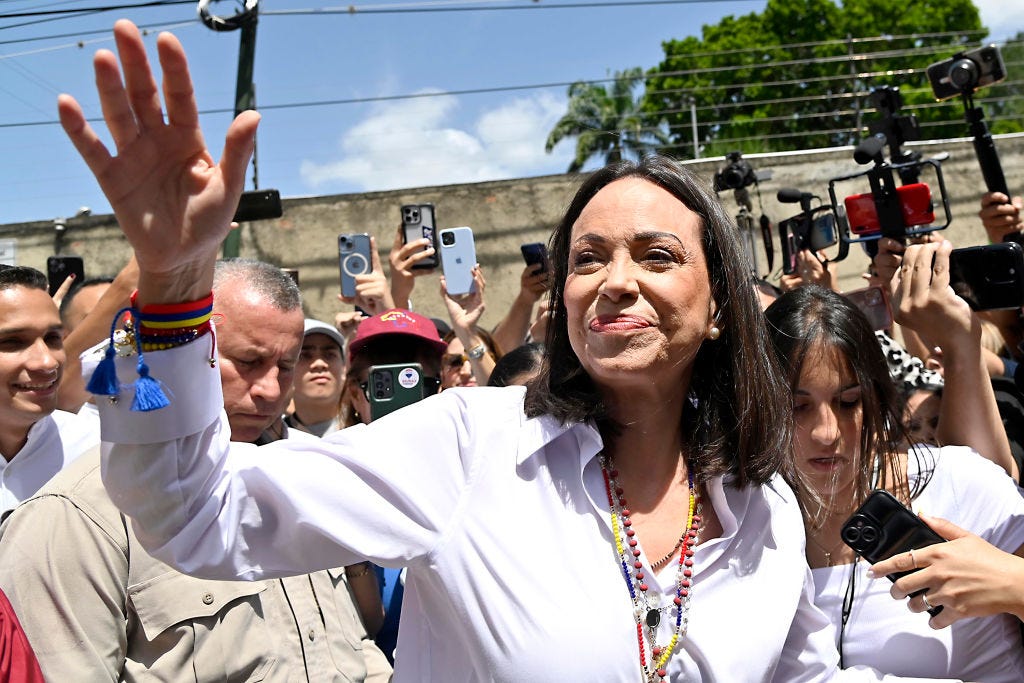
(505, 214)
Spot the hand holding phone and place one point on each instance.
(534, 253)
(419, 222)
(883, 527)
(354, 258)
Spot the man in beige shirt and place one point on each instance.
(97, 607)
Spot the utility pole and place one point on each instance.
(245, 89)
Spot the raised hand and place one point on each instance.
(403, 275)
(172, 201)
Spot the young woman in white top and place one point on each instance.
(849, 440)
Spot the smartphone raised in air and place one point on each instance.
(419, 222)
(458, 256)
(354, 258)
(58, 268)
(535, 252)
(873, 304)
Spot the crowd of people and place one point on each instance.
(641, 473)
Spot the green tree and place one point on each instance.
(798, 74)
(607, 122)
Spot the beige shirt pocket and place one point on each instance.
(188, 629)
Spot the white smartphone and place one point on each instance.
(458, 256)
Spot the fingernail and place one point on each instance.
(871, 573)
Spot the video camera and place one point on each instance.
(813, 229)
(736, 174)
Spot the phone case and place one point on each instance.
(990, 276)
(915, 202)
(418, 221)
(458, 256)
(872, 303)
(354, 258)
(883, 527)
(535, 252)
(394, 386)
(58, 268)
(255, 205)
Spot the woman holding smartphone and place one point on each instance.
(849, 440)
(601, 524)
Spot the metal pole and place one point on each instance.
(693, 125)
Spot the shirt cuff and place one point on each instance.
(190, 381)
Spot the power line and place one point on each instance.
(102, 8)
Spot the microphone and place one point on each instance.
(788, 195)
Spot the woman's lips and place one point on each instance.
(826, 464)
(618, 323)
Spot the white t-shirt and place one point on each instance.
(975, 494)
(502, 522)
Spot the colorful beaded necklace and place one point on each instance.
(647, 607)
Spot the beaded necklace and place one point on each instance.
(647, 606)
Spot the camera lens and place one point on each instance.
(964, 74)
(447, 238)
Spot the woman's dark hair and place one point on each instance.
(729, 425)
(811, 319)
(520, 361)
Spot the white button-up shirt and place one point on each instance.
(502, 521)
(53, 442)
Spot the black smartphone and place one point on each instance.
(535, 252)
(990, 276)
(354, 258)
(965, 72)
(883, 527)
(419, 222)
(58, 268)
(256, 205)
(390, 387)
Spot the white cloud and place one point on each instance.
(412, 143)
(1003, 19)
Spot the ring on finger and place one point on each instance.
(913, 561)
(924, 597)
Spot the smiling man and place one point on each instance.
(36, 439)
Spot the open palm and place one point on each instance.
(173, 203)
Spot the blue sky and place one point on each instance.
(350, 147)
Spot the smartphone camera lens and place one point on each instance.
(447, 238)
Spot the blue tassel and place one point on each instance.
(148, 394)
(104, 379)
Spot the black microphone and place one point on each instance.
(788, 195)
(869, 149)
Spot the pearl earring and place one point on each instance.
(714, 333)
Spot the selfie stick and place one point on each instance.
(984, 147)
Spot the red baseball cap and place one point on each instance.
(396, 321)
